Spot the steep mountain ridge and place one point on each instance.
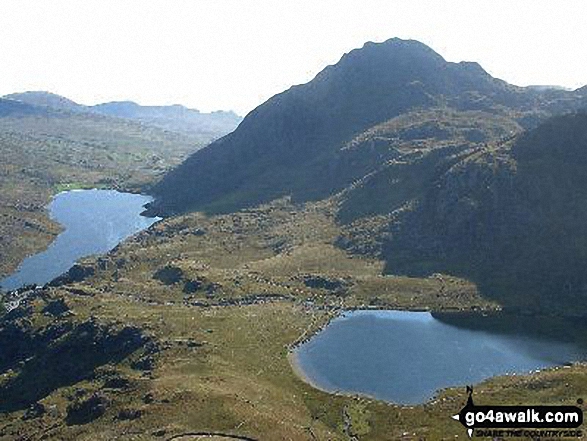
(290, 144)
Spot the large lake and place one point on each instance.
(94, 222)
(405, 357)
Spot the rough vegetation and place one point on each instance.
(392, 180)
(509, 217)
(47, 144)
(215, 361)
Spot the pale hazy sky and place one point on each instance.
(234, 54)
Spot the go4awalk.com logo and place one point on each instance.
(520, 421)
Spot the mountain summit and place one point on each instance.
(292, 144)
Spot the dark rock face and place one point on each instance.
(116, 383)
(59, 355)
(169, 275)
(87, 410)
(336, 286)
(76, 273)
(56, 307)
(36, 410)
(511, 219)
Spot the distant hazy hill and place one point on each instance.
(205, 127)
(294, 144)
(44, 149)
(175, 118)
(46, 99)
(540, 87)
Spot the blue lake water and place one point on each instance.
(405, 357)
(94, 222)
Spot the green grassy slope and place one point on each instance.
(43, 151)
(215, 359)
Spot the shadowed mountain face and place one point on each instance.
(293, 144)
(511, 218)
(437, 167)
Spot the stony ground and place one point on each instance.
(194, 320)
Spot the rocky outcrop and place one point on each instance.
(86, 410)
(169, 275)
(509, 218)
(77, 273)
(59, 354)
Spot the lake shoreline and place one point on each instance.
(119, 206)
(519, 370)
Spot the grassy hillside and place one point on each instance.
(203, 311)
(392, 180)
(43, 151)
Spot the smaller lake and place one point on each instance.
(94, 222)
(405, 357)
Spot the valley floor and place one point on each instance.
(186, 330)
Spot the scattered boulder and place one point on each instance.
(169, 275)
(86, 411)
(129, 414)
(56, 308)
(36, 410)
